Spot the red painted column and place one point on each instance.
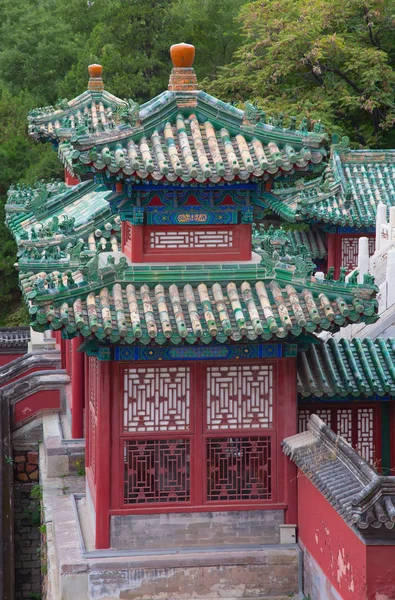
(287, 400)
(245, 241)
(77, 390)
(103, 457)
(68, 364)
(136, 243)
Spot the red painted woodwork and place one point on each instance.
(359, 424)
(77, 390)
(287, 420)
(70, 179)
(103, 454)
(29, 407)
(68, 360)
(343, 250)
(169, 452)
(211, 243)
(355, 570)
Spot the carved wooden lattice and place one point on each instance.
(239, 468)
(365, 442)
(344, 424)
(156, 471)
(166, 240)
(239, 397)
(349, 251)
(156, 399)
(354, 424)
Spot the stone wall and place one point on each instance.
(26, 466)
(175, 530)
(27, 540)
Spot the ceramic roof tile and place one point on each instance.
(348, 192)
(220, 309)
(57, 226)
(189, 148)
(354, 489)
(361, 368)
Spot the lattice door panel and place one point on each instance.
(355, 424)
(344, 424)
(349, 252)
(156, 471)
(304, 415)
(156, 399)
(239, 468)
(365, 441)
(239, 397)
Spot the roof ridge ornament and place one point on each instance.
(183, 76)
(95, 83)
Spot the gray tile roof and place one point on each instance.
(14, 337)
(362, 498)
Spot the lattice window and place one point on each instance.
(355, 425)
(166, 240)
(365, 441)
(156, 399)
(349, 252)
(304, 414)
(156, 471)
(303, 419)
(239, 468)
(344, 424)
(239, 397)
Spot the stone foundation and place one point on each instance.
(186, 530)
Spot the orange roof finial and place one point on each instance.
(95, 83)
(182, 55)
(183, 76)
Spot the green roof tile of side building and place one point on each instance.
(347, 193)
(56, 226)
(181, 135)
(361, 368)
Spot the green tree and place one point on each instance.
(328, 60)
(21, 159)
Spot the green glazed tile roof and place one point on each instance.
(193, 148)
(92, 110)
(178, 135)
(348, 192)
(176, 304)
(55, 225)
(361, 367)
(313, 239)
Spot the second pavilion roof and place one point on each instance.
(347, 194)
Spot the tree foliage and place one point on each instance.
(332, 61)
